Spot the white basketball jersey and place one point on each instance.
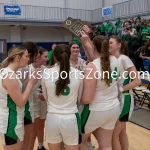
(124, 64)
(106, 97)
(66, 103)
(9, 112)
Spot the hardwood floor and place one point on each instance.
(139, 138)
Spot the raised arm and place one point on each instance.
(89, 84)
(87, 45)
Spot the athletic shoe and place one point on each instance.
(43, 148)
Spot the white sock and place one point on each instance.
(40, 145)
(90, 144)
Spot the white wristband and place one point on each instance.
(121, 89)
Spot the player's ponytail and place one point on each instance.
(62, 55)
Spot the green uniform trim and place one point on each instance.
(84, 117)
(27, 112)
(126, 108)
(124, 116)
(126, 81)
(79, 127)
(12, 119)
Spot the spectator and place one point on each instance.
(106, 28)
(133, 31)
(127, 38)
(128, 24)
(141, 54)
(101, 29)
(118, 25)
(145, 32)
(126, 35)
(110, 30)
(138, 18)
(135, 41)
(138, 26)
(124, 23)
(132, 22)
(142, 21)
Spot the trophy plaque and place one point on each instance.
(73, 25)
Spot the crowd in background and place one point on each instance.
(135, 32)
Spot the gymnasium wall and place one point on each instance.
(46, 36)
(112, 2)
(73, 4)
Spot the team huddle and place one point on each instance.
(67, 108)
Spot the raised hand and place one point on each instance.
(34, 76)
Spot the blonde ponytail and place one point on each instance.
(4, 63)
(15, 50)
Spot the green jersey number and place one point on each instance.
(66, 91)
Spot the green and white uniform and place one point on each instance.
(36, 102)
(32, 107)
(104, 109)
(81, 64)
(63, 120)
(43, 104)
(11, 116)
(126, 98)
(27, 114)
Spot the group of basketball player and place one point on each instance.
(74, 108)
